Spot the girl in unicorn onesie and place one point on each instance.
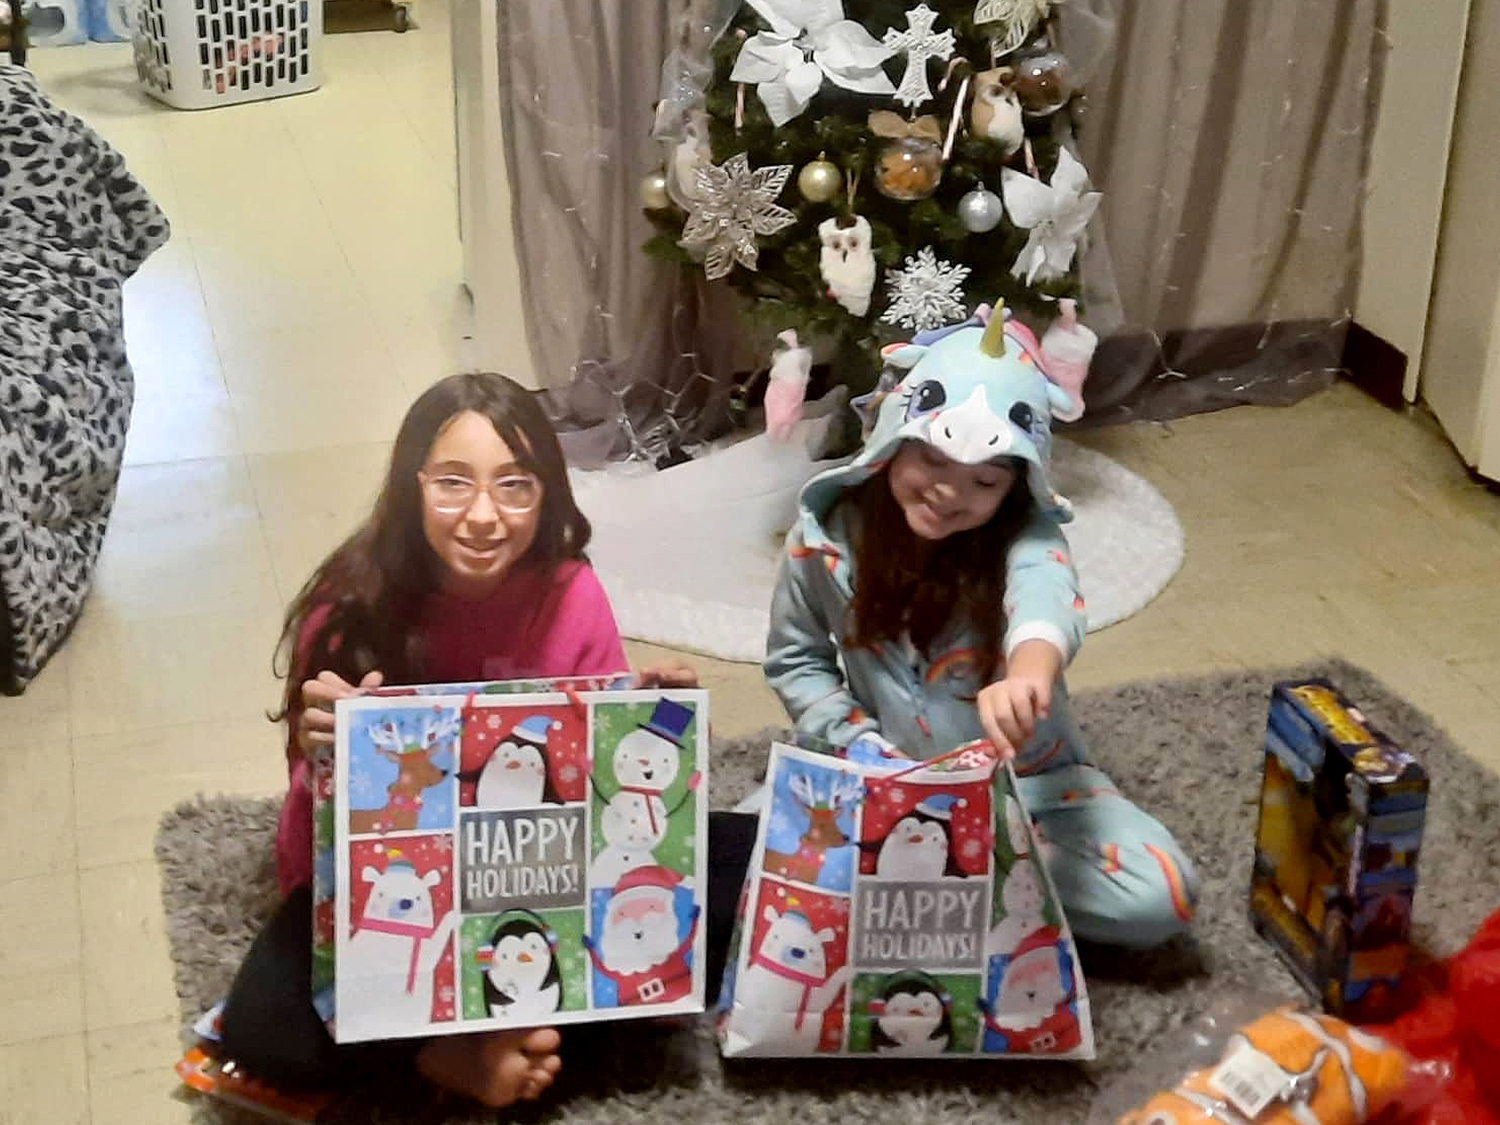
(927, 599)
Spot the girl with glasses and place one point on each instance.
(470, 567)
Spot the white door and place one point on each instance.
(1403, 207)
(1461, 364)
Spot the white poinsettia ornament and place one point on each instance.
(808, 41)
(1010, 21)
(1054, 214)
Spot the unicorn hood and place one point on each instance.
(976, 392)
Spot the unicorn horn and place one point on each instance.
(992, 343)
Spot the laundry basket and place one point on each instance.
(196, 54)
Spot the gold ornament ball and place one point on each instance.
(820, 180)
(654, 191)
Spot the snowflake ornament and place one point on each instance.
(928, 293)
(733, 205)
(919, 43)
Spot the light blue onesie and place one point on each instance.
(1121, 877)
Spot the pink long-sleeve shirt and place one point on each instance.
(528, 629)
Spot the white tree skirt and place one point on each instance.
(689, 555)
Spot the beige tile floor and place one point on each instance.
(309, 292)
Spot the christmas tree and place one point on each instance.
(865, 169)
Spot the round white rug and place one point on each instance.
(689, 555)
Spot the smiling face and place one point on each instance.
(915, 849)
(941, 497)
(916, 833)
(520, 761)
(640, 930)
(399, 894)
(911, 1017)
(1032, 986)
(480, 543)
(646, 759)
(520, 963)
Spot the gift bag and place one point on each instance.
(506, 855)
(899, 910)
(474, 750)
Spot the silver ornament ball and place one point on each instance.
(980, 210)
(654, 191)
(820, 180)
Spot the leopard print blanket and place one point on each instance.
(74, 225)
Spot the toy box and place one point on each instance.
(1341, 815)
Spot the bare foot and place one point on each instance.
(494, 1067)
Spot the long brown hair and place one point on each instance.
(372, 585)
(904, 584)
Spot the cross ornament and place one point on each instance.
(920, 44)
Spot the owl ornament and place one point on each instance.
(1287, 1068)
(791, 367)
(996, 112)
(847, 261)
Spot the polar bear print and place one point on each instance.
(386, 967)
(784, 991)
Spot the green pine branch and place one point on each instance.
(787, 290)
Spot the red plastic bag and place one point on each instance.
(1455, 1019)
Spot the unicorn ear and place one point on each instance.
(903, 355)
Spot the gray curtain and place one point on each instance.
(1230, 139)
(629, 346)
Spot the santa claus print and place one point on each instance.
(643, 952)
(1032, 998)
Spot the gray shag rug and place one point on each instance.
(1187, 750)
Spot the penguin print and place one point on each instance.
(911, 1016)
(521, 977)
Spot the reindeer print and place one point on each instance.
(416, 772)
(823, 832)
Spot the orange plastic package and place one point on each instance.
(1284, 1067)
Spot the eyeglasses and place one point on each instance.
(515, 494)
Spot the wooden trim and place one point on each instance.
(1375, 365)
